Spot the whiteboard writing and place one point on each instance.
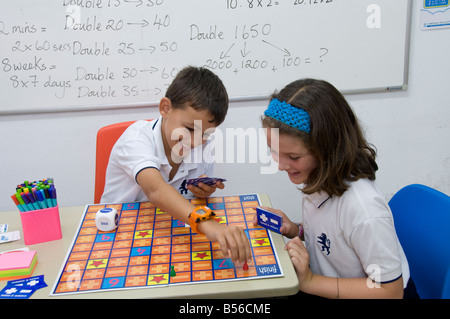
(87, 54)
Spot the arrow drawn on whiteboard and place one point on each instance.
(151, 49)
(139, 2)
(155, 91)
(244, 53)
(286, 52)
(225, 55)
(144, 23)
(151, 70)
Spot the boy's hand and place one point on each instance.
(203, 190)
(288, 229)
(232, 240)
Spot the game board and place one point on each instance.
(148, 242)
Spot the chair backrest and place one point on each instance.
(107, 136)
(422, 221)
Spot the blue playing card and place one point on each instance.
(16, 292)
(22, 288)
(269, 220)
(205, 180)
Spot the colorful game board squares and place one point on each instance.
(127, 220)
(91, 284)
(94, 208)
(159, 269)
(201, 246)
(104, 237)
(100, 254)
(158, 280)
(222, 263)
(181, 248)
(181, 257)
(117, 262)
(111, 283)
(97, 263)
(142, 234)
(181, 239)
(221, 219)
(259, 242)
(148, 242)
(202, 275)
(178, 223)
(130, 206)
(201, 255)
(158, 259)
(216, 206)
(116, 272)
(162, 232)
(137, 270)
(139, 260)
(224, 274)
(124, 236)
(140, 251)
(165, 249)
(181, 277)
(231, 199)
(135, 281)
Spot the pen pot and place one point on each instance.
(41, 225)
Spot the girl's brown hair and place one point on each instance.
(336, 139)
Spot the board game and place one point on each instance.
(150, 249)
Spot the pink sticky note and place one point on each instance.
(16, 260)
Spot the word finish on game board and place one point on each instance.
(151, 249)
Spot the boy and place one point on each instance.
(152, 160)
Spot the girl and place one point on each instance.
(352, 250)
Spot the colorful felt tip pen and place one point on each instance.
(40, 199)
(53, 195)
(32, 201)
(16, 201)
(22, 202)
(27, 201)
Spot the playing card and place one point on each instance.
(22, 288)
(269, 220)
(13, 292)
(205, 180)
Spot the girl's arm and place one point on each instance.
(336, 288)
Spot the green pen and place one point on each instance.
(22, 202)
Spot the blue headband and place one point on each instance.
(295, 117)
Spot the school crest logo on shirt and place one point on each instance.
(182, 188)
(325, 242)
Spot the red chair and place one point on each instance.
(106, 138)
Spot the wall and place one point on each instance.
(410, 130)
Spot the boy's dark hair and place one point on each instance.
(202, 90)
(336, 139)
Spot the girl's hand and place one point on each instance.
(300, 259)
(288, 229)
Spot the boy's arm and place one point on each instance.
(231, 238)
(164, 196)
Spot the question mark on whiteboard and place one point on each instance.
(325, 52)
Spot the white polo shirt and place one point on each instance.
(353, 236)
(141, 147)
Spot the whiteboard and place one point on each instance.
(71, 55)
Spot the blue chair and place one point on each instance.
(422, 221)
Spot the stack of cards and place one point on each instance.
(17, 264)
(205, 180)
(22, 288)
